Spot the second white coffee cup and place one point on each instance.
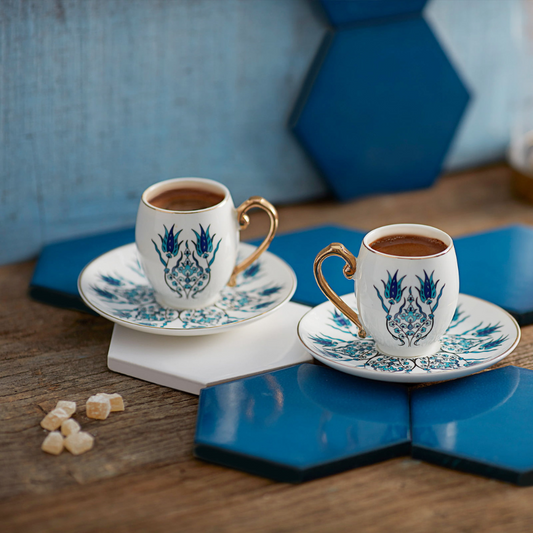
(405, 303)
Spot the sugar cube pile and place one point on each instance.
(71, 437)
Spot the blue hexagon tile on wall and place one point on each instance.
(301, 423)
(481, 424)
(380, 107)
(343, 12)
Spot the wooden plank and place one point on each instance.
(62, 356)
(141, 476)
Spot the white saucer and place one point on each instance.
(114, 285)
(480, 335)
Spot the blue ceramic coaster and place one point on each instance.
(343, 12)
(55, 279)
(302, 423)
(496, 266)
(480, 424)
(380, 107)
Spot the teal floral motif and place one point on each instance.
(204, 244)
(115, 281)
(191, 272)
(385, 363)
(442, 361)
(458, 350)
(342, 351)
(146, 315)
(135, 302)
(411, 320)
(169, 245)
(428, 289)
(339, 321)
(393, 288)
(210, 316)
(187, 276)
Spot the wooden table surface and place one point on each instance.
(141, 475)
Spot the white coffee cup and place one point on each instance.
(189, 256)
(405, 303)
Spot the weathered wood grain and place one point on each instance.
(48, 355)
(141, 475)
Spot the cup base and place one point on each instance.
(413, 352)
(187, 305)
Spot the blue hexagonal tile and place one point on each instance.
(301, 423)
(55, 278)
(480, 424)
(342, 12)
(380, 107)
(496, 266)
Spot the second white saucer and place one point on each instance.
(480, 335)
(114, 285)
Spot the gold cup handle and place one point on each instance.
(244, 220)
(336, 248)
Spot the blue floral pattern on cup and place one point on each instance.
(459, 348)
(411, 320)
(191, 272)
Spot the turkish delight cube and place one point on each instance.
(78, 443)
(116, 401)
(70, 426)
(98, 407)
(68, 407)
(54, 419)
(53, 443)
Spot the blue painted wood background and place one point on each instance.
(99, 99)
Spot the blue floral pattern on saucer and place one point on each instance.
(122, 294)
(479, 335)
